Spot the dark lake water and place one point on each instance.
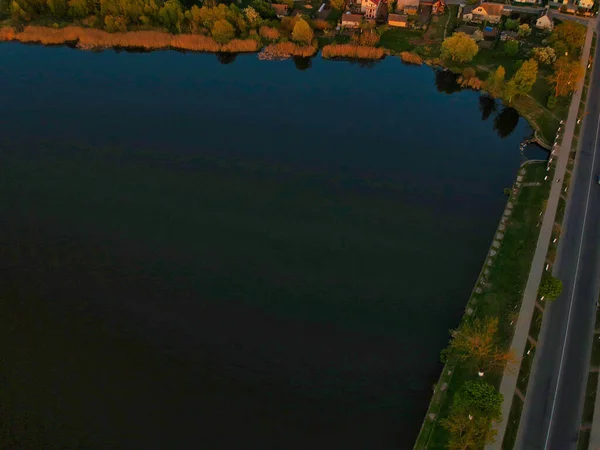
(199, 255)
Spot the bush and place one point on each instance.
(550, 288)
(511, 48)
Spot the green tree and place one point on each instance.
(522, 82)
(551, 288)
(511, 48)
(58, 8)
(171, 15)
(551, 103)
(302, 32)
(338, 4)
(567, 73)
(495, 82)
(459, 47)
(479, 398)
(511, 24)
(222, 31)
(79, 9)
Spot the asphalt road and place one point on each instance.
(554, 402)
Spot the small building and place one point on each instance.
(398, 20)
(544, 22)
(351, 20)
(280, 9)
(467, 13)
(587, 4)
(488, 12)
(370, 8)
(401, 5)
(508, 35)
(569, 8)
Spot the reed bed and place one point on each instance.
(90, 38)
(352, 51)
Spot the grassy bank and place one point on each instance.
(498, 293)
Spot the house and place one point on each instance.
(280, 9)
(398, 20)
(438, 7)
(509, 35)
(544, 22)
(569, 8)
(488, 12)
(401, 5)
(411, 10)
(587, 4)
(467, 13)
(370, 8)
(351, 20)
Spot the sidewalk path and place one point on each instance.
(509, 379)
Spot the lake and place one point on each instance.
(227, 253)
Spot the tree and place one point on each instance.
(511, 48)
(338, 4)
(478, 35)
(522, 82)
(459, 47)
(222, 31)
(511, 24)
(252, 16)
(474, 407)
(171, 15)
(479, 398)
(302, 32)
(568, 37)
(476, 342)
(58, 8)
(79, 9)
(566, 74)
(544, 55)
(551, 102)
(495, 82)
(524, 30)
(467, 432)
(550, 288)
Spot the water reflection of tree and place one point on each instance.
(506, 122)
(226, 58)
(302, 63)
(364, 63)
(487, 105)
(445, 81)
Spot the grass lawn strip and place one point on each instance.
(498, 292)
